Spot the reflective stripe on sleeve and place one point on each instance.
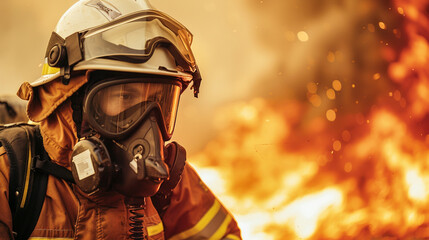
(212, 225)
(220, 232)
(155, 229)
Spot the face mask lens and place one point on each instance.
(115, 108)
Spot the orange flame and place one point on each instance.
(288, 173)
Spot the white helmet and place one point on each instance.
(119, 35)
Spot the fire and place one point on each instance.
(304, 169)
(416, 185)
(303, 214)
(377, 187)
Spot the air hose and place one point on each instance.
(136, 221)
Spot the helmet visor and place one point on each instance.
(135, 37)
(115, 107)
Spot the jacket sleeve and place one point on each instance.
(5, 214)
(195, 213)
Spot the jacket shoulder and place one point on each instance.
(195, 212)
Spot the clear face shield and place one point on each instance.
(131, 40)
(135, 37)
(115, 107)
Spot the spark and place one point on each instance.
(330, 93)
(336, 84)
(376, 76)
(336, 145)
(312, 87)
(331, 115)
(302, 36)
(401, 11)
(348, 167)
(315, 100)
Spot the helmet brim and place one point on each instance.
(45, 79)
(113, 65)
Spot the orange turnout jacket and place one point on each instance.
(68, 213)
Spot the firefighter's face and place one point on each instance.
(119, 98)
(114, 106)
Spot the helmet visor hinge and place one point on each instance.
(73, 46)
(54, 40)
(64, 54)
(74, 55)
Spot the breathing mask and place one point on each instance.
(130, 119)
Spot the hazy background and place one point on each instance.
(312, 120)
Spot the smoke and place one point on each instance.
(26, 28)
(316, 105)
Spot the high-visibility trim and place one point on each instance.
(231, 237)
(212, 227)
(201, 224)
(27, 176)
(155, 229)
(48, 238)
(48, 69)
(222, 229)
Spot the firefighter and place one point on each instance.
(106, 104)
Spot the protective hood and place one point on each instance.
(50, 105)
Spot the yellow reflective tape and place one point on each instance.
(222, 229)
(201, 224)
(27, 177)
(49, 70)
(48, 238)
(155, 229)
(45, 69)
(232, 237)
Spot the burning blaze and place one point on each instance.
(304, 169)
(374, 186)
